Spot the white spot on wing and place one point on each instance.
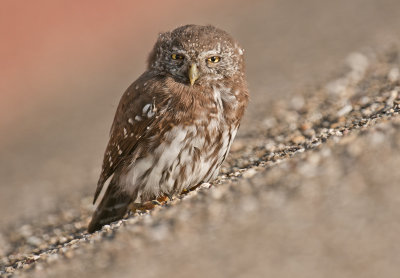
(146, 108)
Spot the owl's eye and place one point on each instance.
(213, 59)
(177, 56)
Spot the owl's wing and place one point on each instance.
(135, 113)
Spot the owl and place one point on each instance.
(175, 124)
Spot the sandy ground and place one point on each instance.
(309, 190)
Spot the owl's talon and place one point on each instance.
(149, 205)
(163, 199)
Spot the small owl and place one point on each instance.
(175, 124)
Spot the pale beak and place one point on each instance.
(193, 73)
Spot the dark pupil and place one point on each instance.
(213, 59)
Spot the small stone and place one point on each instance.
(236, 174)
(269, 122)
(345, 110)
(35, 241)
(205, 185)
(26, 266)
(249, 204)
(69, 254)
(355, 150)
(364, 100)
(394, 74)
(298, 139)
(217, 193)
(309, 133)
(297, 102)
(159, 232)
(52, 258)
(392, 97)
(10, 269)
(237, 145)
(305, 126)
(358, 63)
(249, 173)
(26, 230)
(74, 241)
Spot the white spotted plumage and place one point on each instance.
(171, 133)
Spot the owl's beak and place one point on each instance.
(193, 73)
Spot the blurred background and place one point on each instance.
(65, 64)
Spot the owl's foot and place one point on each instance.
(148, 205)
(163, 199)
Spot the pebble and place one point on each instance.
(52, 258)
(269, 122)
(237, 145)
(298, 139)
(394, 74)
(392, 97)
(69, 254)
(249, 173)
(345, 110)
(10, 269)
(297, 102)
(35, 241)
(159, 232)
(217, 193)
(205, 185)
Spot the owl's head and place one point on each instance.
(194, 54)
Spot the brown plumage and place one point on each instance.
(175, 124)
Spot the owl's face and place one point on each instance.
(197, 55)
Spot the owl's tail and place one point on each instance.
(112, 207)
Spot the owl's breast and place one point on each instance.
(185, 157)
(186, 145)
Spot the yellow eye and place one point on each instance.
(177, 56)
(214, 59)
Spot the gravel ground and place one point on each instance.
(313, 192)
(310, 188)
